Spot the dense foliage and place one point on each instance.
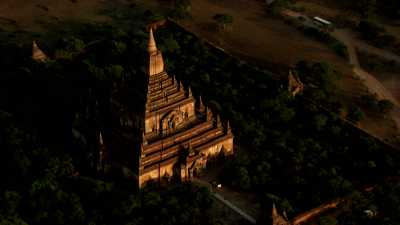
(50, 117)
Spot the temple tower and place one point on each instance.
(278, 219)
(37, 54)
(295, 86)
(174, 126)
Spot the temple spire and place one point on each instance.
(151, 45)
(101, 139)
(156, 62)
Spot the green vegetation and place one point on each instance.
(336, 45)
(378, 36)
(223, 20)
(182, 9)
(370, 8)
(320, 35)
(355, 114)
(325, 220)
(379, 64)
(52, 113)
(382, 106)
(50, 117)
(381, 206)
(276, 6)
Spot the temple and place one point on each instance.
(37, 54)
(278, 219)
(179, 133)
(295, 86)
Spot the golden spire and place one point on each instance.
(156, 62)
(151, 45)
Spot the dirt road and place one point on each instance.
(219, 196)
(373, 84)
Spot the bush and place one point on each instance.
(223, 19)
(370, 30)
(385, 106)
(327, 220)
(276, 6)
(339, 48)
(355, 114)
(370, 101)
(322, 36)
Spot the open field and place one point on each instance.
(33, 15)
(256, 34)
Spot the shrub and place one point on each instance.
(339, 48)
(223, 19)
(355, 114)
(385, 106)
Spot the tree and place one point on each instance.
(320, 121)
(366, 8)
(182, 9)
(370, 101)
(327, 220)
(115, 72)
(355, 114)
(276, 6)
(223, 20)
(369, 29)
(385, 106)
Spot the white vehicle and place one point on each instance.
(322, 21)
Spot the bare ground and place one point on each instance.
(29, 15)
(256, 34)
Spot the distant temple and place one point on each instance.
(37, 54)
(295, 86)
(278, 219)
(179, 133)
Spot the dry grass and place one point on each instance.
(256, 34)
(31, 15)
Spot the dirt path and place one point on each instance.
(350, 37)
(373, 84)
(234, 208)
(348, 41)
(219, 195)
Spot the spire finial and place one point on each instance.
(274, 212)
(144, 140)
(101, 139)
(151, 46)
(190, 92)
(180, 86)
(201, 105)
(228, 127)
(219, 124)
